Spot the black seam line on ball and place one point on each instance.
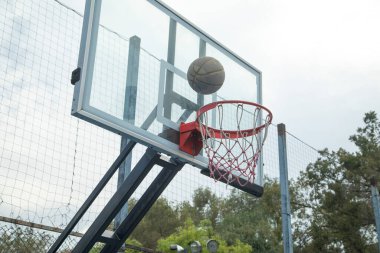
(199, 81)
(213, 72)
(200, 67)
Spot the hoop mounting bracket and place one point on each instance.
(190, 139)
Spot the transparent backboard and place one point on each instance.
(133, 59)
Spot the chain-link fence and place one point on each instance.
(25, 239)
(51, 161)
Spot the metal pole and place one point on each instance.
(284, 184)
(91, 198)
(170, 75)
(376, 208)
(144, 204)
(260, 170)
(117, 201)
(129, 114)
(202, 53)
(100, 186)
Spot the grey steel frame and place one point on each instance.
(91, 198)
(100, 186)
(95, 232)
(142, 168)
(129, 114)
(167, 96)
(143, 205)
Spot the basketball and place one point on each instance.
(205, 75)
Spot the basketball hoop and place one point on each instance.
(233, 146)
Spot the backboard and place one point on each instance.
(133, 59)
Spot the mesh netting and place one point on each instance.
(233, 147)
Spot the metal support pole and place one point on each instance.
(376, 208)
(284, 184)
(260, 170)
(100, 186)
(169, 75)
(146, 201)
(121, 196)
(202, 53)
(129, 114)
(94, 194)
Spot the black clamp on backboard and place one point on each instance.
(75, 76)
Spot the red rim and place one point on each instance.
(231, 133)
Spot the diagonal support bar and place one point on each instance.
(94, 194)
(121, 196)
(143, 205)
(100, 186)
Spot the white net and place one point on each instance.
(233, 147)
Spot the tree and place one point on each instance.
(161, 221)
(189, 232)
(205, 205)
(133, 242)
(254, 221)
(332, 205)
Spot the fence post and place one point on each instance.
(376, 208)
(284, 184)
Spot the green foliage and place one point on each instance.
(133, 242)
(239, 217)
(332, 204)
(205, 205)
(161, 221)
(189, 232)
(252, 220)
(25, 240)
(366, 163)
(97, 248)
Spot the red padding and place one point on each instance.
(190, 138)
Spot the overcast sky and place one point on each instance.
(320, 59)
